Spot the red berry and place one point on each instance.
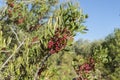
(57, 48)
(88, 68)
(9, 11)
(65, 36)
(50, 42)
(85, 79)
(52, 51)
(91, 60)
(81, 67)
(20, 21)
(35, 39)
(11, 4)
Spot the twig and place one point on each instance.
(5, 51)
(26, 1)
(42, 63)
(35, 42)
(11, 56)
(2, 12)
(15, 35)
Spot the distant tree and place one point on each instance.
(108, 55)
(82, 47)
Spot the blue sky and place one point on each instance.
(2, 3)
(104, 16)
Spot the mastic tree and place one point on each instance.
(31, 31)
(107, 56)
(82, 47)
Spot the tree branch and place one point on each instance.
(11, 56)
(2, 13)
(15, 35)
(42, 63)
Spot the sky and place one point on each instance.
(104, 17)
(2, 3)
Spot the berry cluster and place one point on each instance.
(11, 4)
(13, 10)
(10, 8)
(59, 40)
(85, 68)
